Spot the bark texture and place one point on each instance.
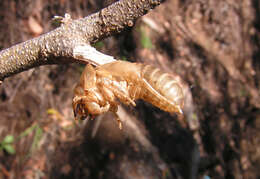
(57, 46)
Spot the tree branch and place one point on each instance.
(58, 46)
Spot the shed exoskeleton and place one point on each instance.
(100, 89)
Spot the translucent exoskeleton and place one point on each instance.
(100, 89)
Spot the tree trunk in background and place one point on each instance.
(212, 45)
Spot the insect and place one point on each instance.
(100, 89)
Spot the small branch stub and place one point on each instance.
(88, 54)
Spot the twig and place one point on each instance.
(60, 45)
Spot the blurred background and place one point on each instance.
(213, 46)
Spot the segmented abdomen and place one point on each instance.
(163, 90)
(148, 83)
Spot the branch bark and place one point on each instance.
(58, 46)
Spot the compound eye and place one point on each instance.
(77, 110)
(80, 112)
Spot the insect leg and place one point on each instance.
(109, 96)
(95, 109)
(120, 91)
(119, 122)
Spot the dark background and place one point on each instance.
(212, 45)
